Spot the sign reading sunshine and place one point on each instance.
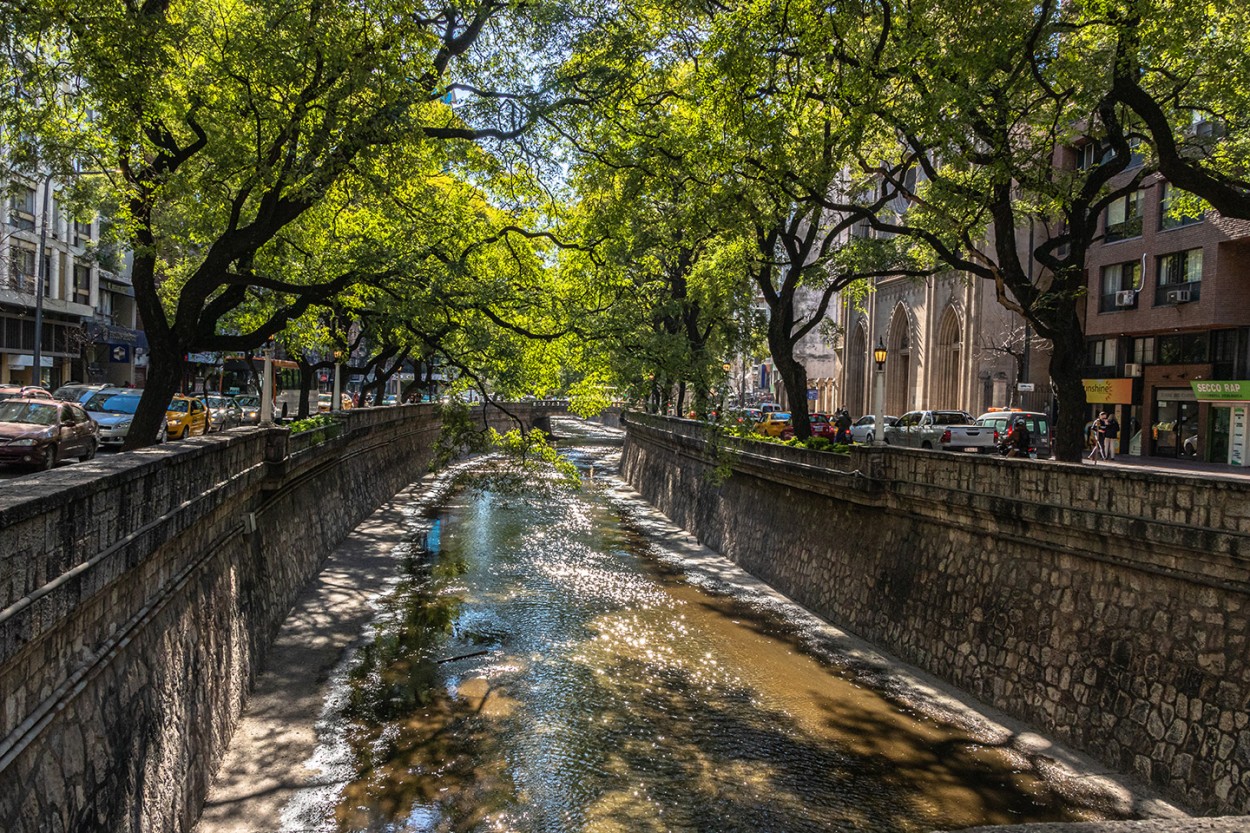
(1108, 391)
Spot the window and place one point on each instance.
(1180, 277)
(1144, 350)
(1124, 217)
(1119, 285)
(82, 232)
(22, 268)
(1225, 348)
(1167, 217)
(82, 283)
(1102, 353)
(1091, 154)
(1186, 348)
(22, 207)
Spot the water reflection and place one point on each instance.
(538, 670)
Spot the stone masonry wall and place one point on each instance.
(138, 593)
(1108, 608)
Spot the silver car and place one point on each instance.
(862, 430)
(113, 409)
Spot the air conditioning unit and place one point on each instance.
(1132, 369)
(1127, 298)
(1177, 296)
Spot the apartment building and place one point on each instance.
(1168, 327)
(90, 325)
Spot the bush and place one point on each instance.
(311, 423)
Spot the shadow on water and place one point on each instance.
(541, 671)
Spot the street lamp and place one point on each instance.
(41, 275)
(879, 355)
(266, 386)
(336, 403)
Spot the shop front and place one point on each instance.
(1115, 397)
(1175, 429)
(1229, 404)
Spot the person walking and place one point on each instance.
(1112, 436)
(1099, 430)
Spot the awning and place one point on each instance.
(100, 333)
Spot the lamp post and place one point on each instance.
(266, 386)
(878, 427)
(336, 402)
(41, 275)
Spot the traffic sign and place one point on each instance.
(1025, 387)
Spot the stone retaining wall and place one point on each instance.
(1107, 607)
(138, 593)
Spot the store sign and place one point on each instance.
(19, 362)
(1108, 391)
(1221, 391)
(1237, 446)
(119, 353)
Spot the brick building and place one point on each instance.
(1168, 313)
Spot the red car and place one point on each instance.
(42, 432)
(822, 426)
(23, 391)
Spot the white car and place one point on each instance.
(862, 430)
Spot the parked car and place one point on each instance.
(862, 430)
(325, 399)
(186, 417)
(223, 411)
(42, 432)
(1038, 424)
(113, 409)
(76, 392)
(822, 426)
(949, 430)
(773, 423)
(23, 392)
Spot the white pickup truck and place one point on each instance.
(950, 430)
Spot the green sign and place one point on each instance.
(1221, 391)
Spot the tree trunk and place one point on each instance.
(680, 410)
(165, 369)
(306, 375)
(1067, 361)
(793, 375)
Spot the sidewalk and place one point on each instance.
(1173, 466)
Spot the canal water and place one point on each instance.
(550, 661)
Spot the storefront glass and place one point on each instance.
(1218, 434)
(1175, 429)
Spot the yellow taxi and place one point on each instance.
(772, 424)
(186, 417)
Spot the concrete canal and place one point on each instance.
(556, 659)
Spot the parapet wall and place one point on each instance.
(138, 594)
(1109, 608)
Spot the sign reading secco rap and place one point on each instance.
(1108, 391)
(1221, 391)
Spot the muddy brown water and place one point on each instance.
(538, 668)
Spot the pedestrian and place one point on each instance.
(1099, 431)
(1020, 442)
(1113, 436)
